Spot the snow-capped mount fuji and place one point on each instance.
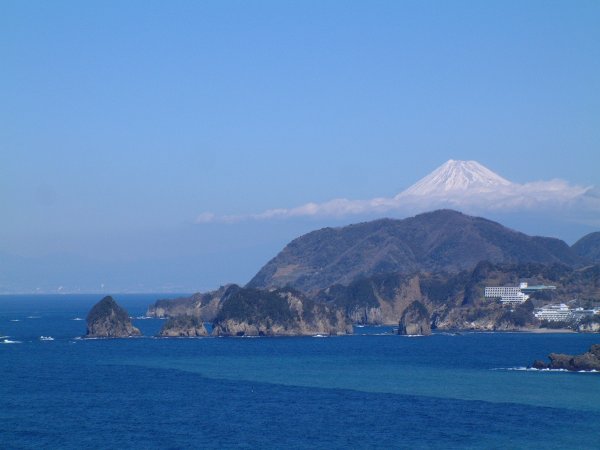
(459, 177)
(474, 188)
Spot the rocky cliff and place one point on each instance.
(108, 319)
(415, 320)
(589, 325)
(203, 306)
(282, 312)
(183, 326)
(587, 361)
(456, 300)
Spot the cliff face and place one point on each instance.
(183, 326)
(589, 325)
(415, 320)
(456, 300)
(284, 312)
(378, 300)
(108, 319)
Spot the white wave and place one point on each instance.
(15, 320)
(533, 369)
(34, 317)
(77, 318)
(143, 317)
(8, 341)
(46, 338)
(319, 335)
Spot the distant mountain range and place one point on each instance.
(439, 241)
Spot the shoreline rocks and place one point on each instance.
(107, 319)
(183, 326)
(587, 361)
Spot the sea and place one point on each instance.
(371, 390)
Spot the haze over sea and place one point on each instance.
(370, 390)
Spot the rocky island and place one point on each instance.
(107, 319)
(415, 320)
(590, 360)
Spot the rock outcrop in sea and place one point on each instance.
(587, 361)
(282, 312)
(183, 326)
(109, 320)
(415, 320)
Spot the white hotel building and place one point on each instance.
(554, 313)
(508, 295)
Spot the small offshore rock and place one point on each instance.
(587, 361)
(415, 320)
(109, 320)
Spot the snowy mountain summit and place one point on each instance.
(472, 187)
(464, 185)
(459, 177)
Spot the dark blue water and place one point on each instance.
(364, 391)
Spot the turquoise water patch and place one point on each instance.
(559, 390)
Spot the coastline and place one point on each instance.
(549, 330)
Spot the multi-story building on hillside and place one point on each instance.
(508, 295)
(562, 313)
(554, 313)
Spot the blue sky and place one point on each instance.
(124, 121)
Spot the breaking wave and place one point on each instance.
(533, 369)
